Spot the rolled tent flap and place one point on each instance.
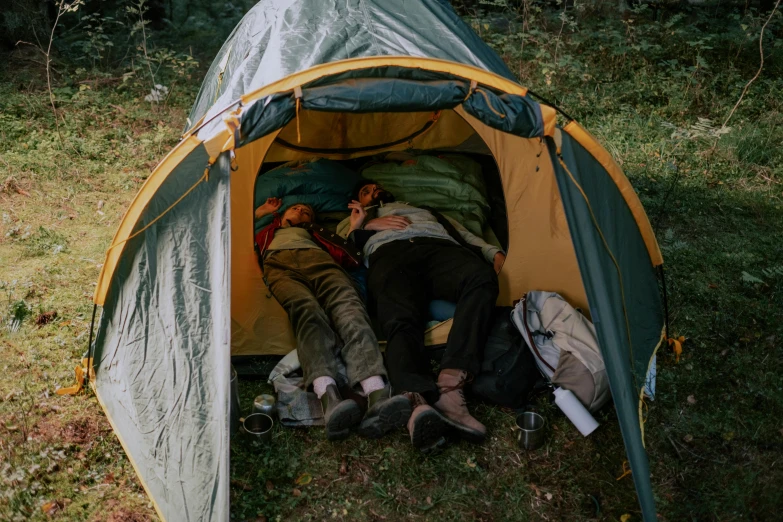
(621, 287)
(518, 115)
(162, 347)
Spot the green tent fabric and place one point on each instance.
(161, 351)
(161, 365)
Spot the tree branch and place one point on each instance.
(761, 65)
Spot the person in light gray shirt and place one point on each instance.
(416, 255)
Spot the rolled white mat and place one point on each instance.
(575, 411)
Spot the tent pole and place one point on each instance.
(555, 107)
(665, 300)
(89, 342)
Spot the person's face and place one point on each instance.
(372, 194)
(297, 214)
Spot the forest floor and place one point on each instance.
(714, 432)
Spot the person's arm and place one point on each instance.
(359, 236)
(357, 217)
(492, 254)
(270, 206)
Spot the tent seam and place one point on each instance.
(616, 265)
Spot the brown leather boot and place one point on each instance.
(425, 425)
(454, 408)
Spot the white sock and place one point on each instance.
(371, 384)
(320, 384)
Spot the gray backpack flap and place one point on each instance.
(564, 345)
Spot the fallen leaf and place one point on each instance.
(728, 436)
(46, 318)
(50, 508)
(241, 485)
(344, 465)
(712, 285)
(429, 499)
(471, 463)
(548, 496)
(304, 479)
(691, 399)
(688, 438)
(781, 431)
(269, 485)
(625, 518)
(536, 490)
(626, 470)
(676, 345)
(296, 492)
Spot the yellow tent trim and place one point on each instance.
(131, 217)
(586, 140)
(128, 453)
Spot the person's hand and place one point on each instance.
(357, 215)
(271, 205)
(388, 223)
(497, 261)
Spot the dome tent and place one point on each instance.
(181, 290)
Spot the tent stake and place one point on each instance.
(665, 301)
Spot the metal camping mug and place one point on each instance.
(265, 404)
(258, 426)
(531, 430)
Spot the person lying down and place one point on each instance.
(316, 292)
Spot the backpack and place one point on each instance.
(564, 345)
(508, 370)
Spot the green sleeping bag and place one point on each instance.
(450, 183)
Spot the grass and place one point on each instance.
(714, 433)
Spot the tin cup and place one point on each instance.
(258, 426)
(531, 430)
(265, 404)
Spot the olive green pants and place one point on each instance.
(320, 300)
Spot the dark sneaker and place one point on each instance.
(426, 426)
(339, 415)
(384, 413)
